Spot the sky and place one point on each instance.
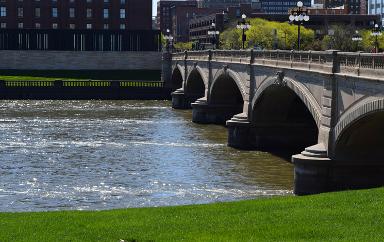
(154, 7)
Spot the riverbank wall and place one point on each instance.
(83, 90)
(101, 74)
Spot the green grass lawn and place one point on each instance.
(48, 75)
(342, 216)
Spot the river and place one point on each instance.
(93, 155)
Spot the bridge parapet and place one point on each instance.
(308, 60)
(233, 56)
(347, 63)
(361, 64)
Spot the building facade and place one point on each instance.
(76, 14)
(376, 7)
(164, 15)
(279, 6)
(352, 6)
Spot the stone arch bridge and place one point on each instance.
(326, 108)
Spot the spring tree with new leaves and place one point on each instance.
(266, 34)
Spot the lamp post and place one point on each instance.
(376, 31)
(169, 38)
(300, 15)
(243, 25)
(356, 37)
(214, 34)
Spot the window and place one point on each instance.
(89, 13)
(89, 26)
(3, 25)
(3, 11)
(106, 1)
(54, 26)
(89, 1)
(71, 12)
(37, 12)
(72, 26)
(122, 1)
(54, 12)
(20, 12)
(122, 26)
(71, 1)
(37, 26)
(20, 25)
(106, 13)
(106, 26)
(122, 13)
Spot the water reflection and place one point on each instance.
(116, 154)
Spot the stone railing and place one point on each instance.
(349, 63)
(361, 64)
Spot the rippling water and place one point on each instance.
(115, 154)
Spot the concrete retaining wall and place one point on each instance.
(79, 60)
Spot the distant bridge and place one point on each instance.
(327, 105)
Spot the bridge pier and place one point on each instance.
(239, 132)
(316, 173)
(180, 100)
(205, 113)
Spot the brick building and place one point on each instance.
(164, 15)
(76, 14)
(351, 6)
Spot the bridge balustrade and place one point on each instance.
(361, 64)
(198, 55)
(366, 64)
(178, 56)
(235, 56)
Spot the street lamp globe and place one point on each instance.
(299, 4)
(243, 16)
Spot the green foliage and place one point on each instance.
(268, 35)
(341, 216)
(368, 42)
(183, 45)
(341, 39)
(230, 39)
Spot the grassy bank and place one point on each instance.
(47, 75)
(343, 216)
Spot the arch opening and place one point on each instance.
(176, 80)
(226, 98)
(195, 87)
(363, 140)
(281, 122)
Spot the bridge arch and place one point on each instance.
(225, 85)
(226, 96)
(177, 77)
(285, 115)
(299, 89)
(359, 134)
(195, 84)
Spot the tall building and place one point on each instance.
(76, 14)
(222, 3)
(164, 15)
(376, 7)
(279, 6)
(352, 6)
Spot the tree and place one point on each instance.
(183, 45)
(368, 42)
(340, 38)
(267, 35)
(230, 39)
